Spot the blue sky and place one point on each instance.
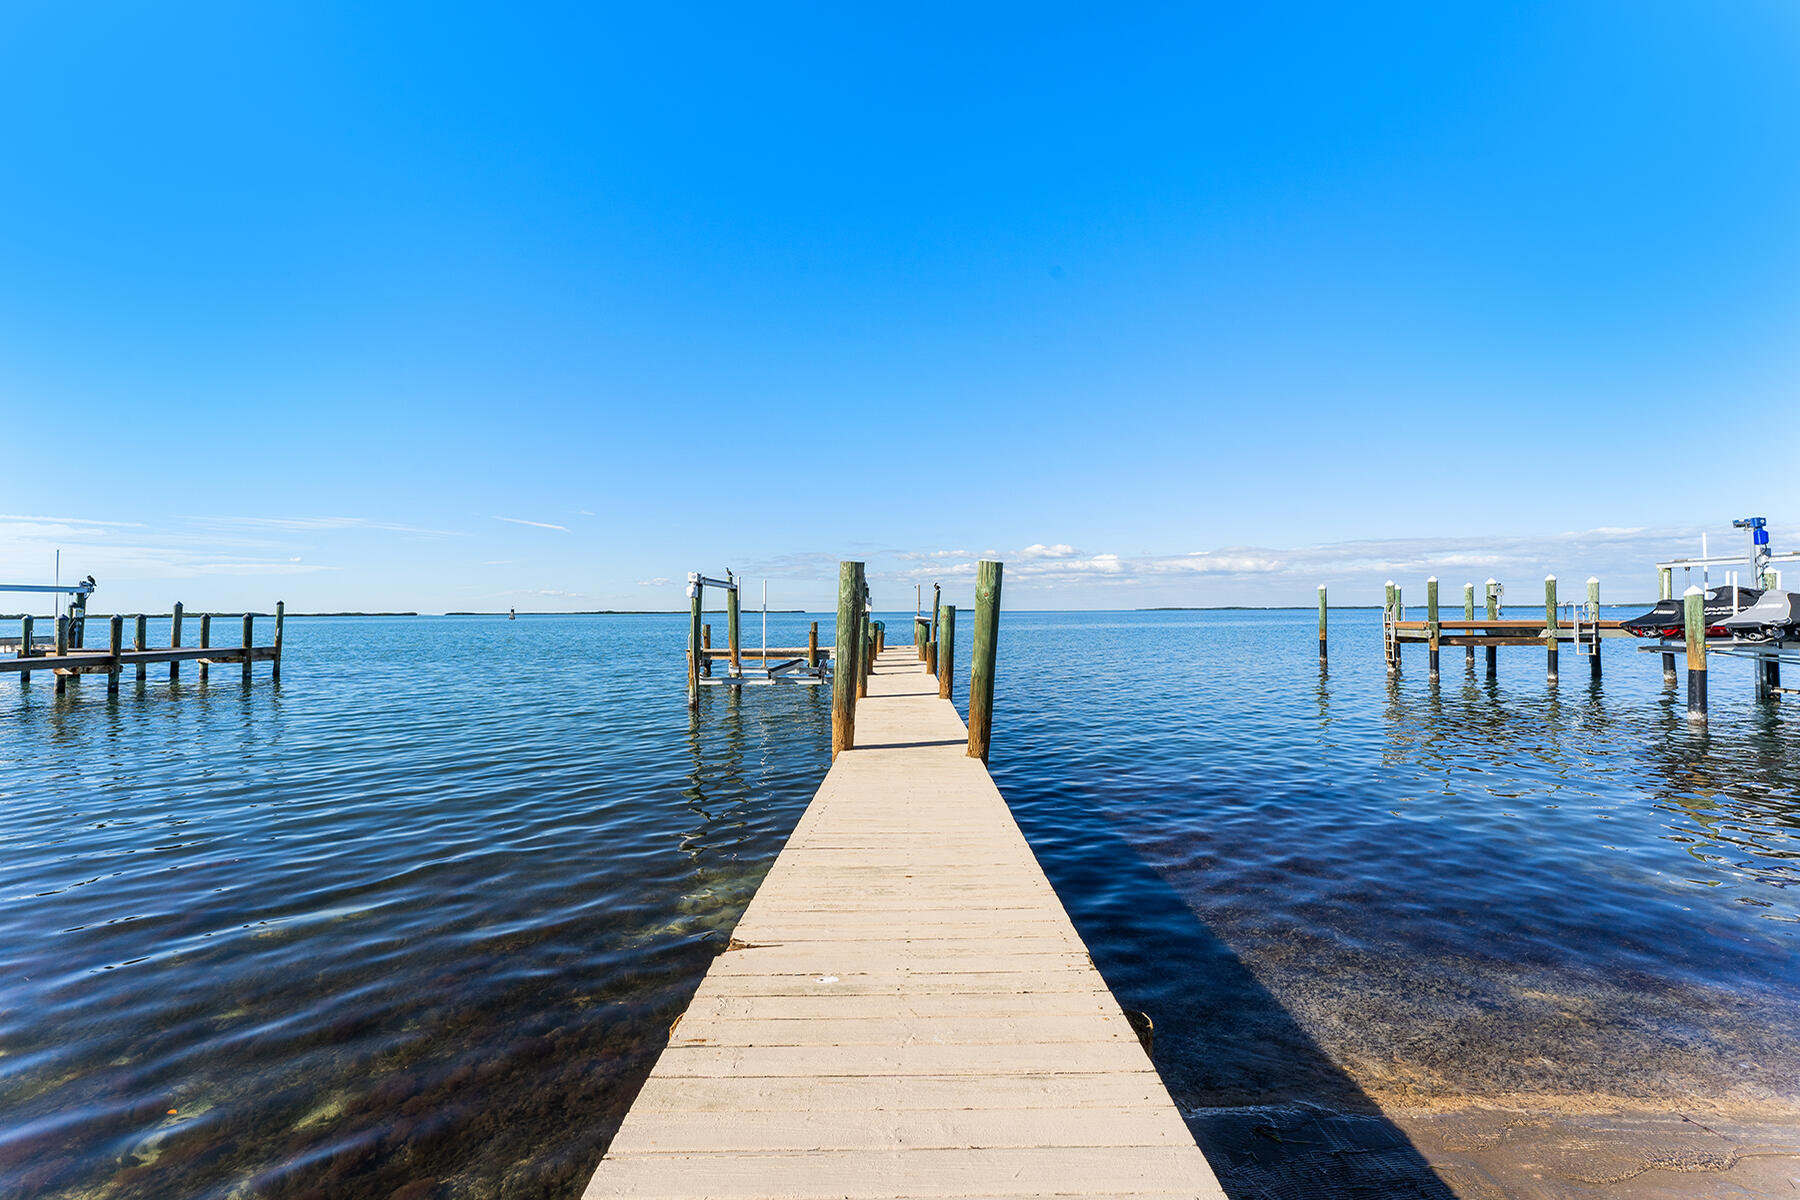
(455, 306)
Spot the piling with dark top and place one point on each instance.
(1594, 616)
(1666, 591)
(1469, 615)
(280, 616)
(1321, 624)
(25, 650)
(812, 645)
(175, 641)
(1433, 630)
(1550, 634)
(946, 650)
(137, 641)
(844, 665)
(115, 646)
(62, 647)
(1694, 612)
(205, 642)
(981, 657)
(249, 622)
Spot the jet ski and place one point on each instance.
(1667, 619)
(1775, 616)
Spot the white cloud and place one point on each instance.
(533, 524)
(659, 581)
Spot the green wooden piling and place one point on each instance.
(25, 650)
(62, 648)
(731, 627)
(280, 617)
(138, 634)
(981, 659)
(1469, 615)
(1551, 642)
(946, 651)
(864, 661)
(843, 664)
(249, 623)
(1431, 622)
(115, 646)
(706, 644)
(1493, 614)
(1321, 624)
(205, 643)
(1594, 617)
(175, 641)
(1694, 612)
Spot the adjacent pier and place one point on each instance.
(905, 1010)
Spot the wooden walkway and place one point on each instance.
(906, 1010)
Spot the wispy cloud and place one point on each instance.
(659, 581)
(316, 525)
(533, 524)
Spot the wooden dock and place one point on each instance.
(905, 1009)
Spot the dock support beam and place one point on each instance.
(1666, 591)
(1594, 616)
(175, 641)
(1321, 624)
(1694, 612)
(844, 665)
(1431, 621)
(946, 650)
(981, 658)
(1550, 640)
(1469, 615)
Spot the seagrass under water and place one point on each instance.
(417, 921)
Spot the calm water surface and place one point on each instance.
(416, 922)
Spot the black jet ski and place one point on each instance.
(1666, 620)
(1774, 617)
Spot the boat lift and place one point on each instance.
(78, 594)
(1768, 654)
(775, 664)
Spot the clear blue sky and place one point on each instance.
(1207, 303)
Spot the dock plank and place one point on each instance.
(905, 1009)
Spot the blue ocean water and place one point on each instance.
(416, 920)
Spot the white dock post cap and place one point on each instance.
(1471, 586)
(1549, 579)
(1432, 579)
(1694, 590)
(1593, 579)
(1492, 581)
(1390, 583)
(1321, 587)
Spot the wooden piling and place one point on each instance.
(62, 648)
(946, 651)
(175, 641)
(863, 662)
(981, 659)
(1469, 615)
(115, 646)
(1390, 643)
(931, 649)
(812, 645)
(698, 640)
(1493, 613)
(138, 635)
(205, 642)
(1433, 630)
(1321, 624)
(1594, 616)
(1551, 642)
(1694, 612)
(937, 603)
(1666, 591)
(249, 621)
(844, 664)
(732, 628)
(280, 617)
(706, 644)
(25, 650)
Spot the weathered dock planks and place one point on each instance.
(906, 1010)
